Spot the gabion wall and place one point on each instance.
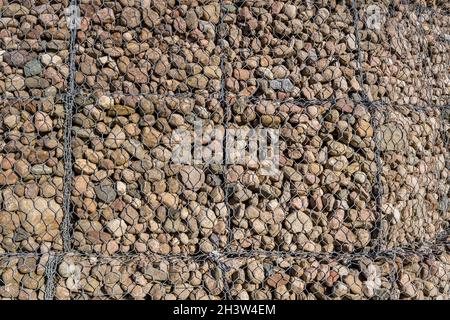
(92, 92)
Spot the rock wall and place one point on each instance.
(93, 97)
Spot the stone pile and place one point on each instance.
(31, 174)
(282, 49)
(394, 53)
(359, 181)
(414, 156)
(409, 276)
(438, 36)
(145, 277)
(128, 195)
(34, 48)
(322, 197)
(401, 276)
(140, 47)
(22, 278)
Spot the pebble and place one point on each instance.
(11, 121)
(121, 188)
(105, 192)
(32, 68)
(115, 138)
(106, 102)
(43, 122)
(18, 58)
(14, 83)
(193, 178)
(117, 227)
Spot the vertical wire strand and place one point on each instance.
(68, 161)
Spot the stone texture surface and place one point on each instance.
(137, 278)
(128, 194)
(414, 158)
(438, 38)
(22, 278)
(445, 135)
(321, 199)
(31, 174)
(137, 47)
(407, 277)
(394, 50)
(281, 49)
(146, 69)
(34, 48)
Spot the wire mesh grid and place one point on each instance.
(31, 176)
(97, 97)
(34, 48)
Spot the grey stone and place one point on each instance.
(282, 84)
(32, 68)
(105, 192)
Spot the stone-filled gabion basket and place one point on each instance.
(127, 171)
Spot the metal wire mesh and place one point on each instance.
(140, 277)
(148, 47)
(411, 209)
(96, 98)
(278, 50)
(34, 48)
(322, 199)
(127, 195)
(31, 176)
(23, 277)
(396, 276)
(394, 52)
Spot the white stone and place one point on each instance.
(106, 102)
(117, 227)
(121, 188)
